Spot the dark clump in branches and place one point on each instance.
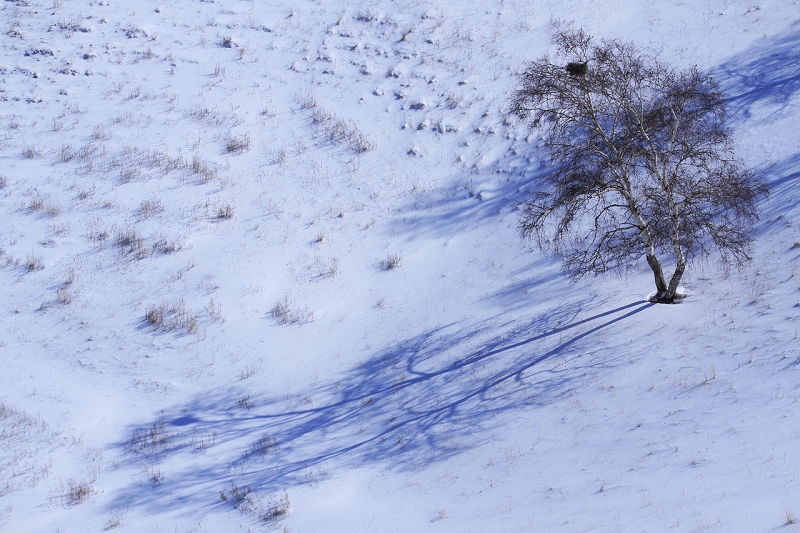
(577, 69)
(641, 163)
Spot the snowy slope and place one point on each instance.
(260, 271)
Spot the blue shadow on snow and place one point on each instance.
(407, 407)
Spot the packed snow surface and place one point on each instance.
(259, 270)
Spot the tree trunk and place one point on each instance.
(658, 274)
(680, 262)
(672, 290)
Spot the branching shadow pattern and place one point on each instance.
(765, 74)
(766, 78)
(407, 407)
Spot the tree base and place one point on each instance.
(662, 298)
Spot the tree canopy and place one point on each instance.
(642, 162)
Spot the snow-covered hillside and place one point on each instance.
(259, 270)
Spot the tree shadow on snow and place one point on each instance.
(766, 74)
(783, 204)
(767, 78)
(478, 196)
(407, 407)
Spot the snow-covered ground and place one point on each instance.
(259, 269)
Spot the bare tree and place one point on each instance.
(641, 162)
